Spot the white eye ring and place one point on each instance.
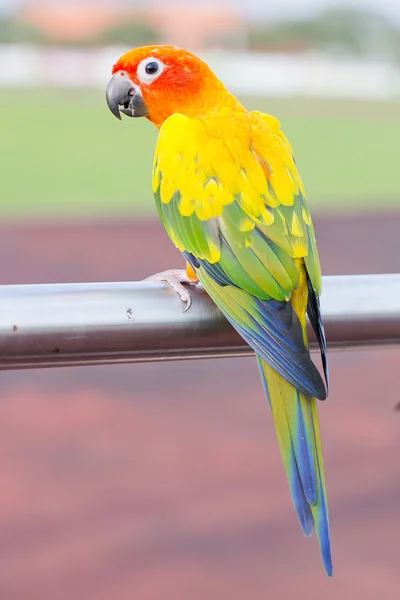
(150, 69)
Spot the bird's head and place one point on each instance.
(158, 81)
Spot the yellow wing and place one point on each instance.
(238, 169)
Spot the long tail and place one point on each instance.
(297, 426)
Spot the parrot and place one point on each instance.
(230, 197)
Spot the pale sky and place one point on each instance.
(269, 9)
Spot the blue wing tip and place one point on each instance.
(326, 555)
(328, 565)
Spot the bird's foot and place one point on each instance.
(176, 278)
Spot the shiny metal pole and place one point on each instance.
(105, 323)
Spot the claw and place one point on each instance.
(175, 278)
(188, 304)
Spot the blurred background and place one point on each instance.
(164, 480)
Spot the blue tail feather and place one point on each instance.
(301, 455)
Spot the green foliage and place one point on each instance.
(13, 32)
(130, 33)
(338, 29)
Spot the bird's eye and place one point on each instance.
(149, 69)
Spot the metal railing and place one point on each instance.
(105, 323)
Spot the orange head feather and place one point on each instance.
(172, 80)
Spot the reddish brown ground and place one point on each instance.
(164, 481)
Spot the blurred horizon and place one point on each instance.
(328, 26)
(284, 10)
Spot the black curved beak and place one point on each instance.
(121, 91)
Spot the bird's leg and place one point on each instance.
(176, 278)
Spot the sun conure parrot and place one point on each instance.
(229, 195)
